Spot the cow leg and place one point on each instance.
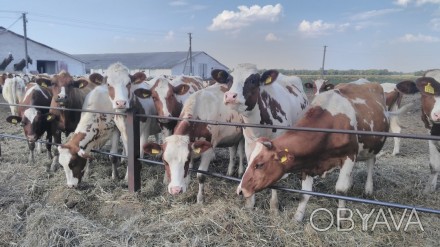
(205, 160)
(232, 154)
(113, 159)
(274, 201)
(395, 128)
(344, 181)
(55, 164)
(31, 146)
(369, 183)
(49, 146)
(86, 175)
(240, 151)
(434, 165)
(39, 150)
(306, 185)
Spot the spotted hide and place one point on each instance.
(131, 92)
(193, 139)
(349, 107)
(92, 132)
(268, 99)
(34, 119)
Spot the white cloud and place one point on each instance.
(230, 20)
(417, 2)
(271, 37)
(411, 38)
(169, 36)
(373, 13)
(315, 28)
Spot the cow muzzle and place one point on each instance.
(175, 190)
(61, 101)
(230, 98)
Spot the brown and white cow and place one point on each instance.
(34, 119)
(13, 91)
(393, 100)
(194, 139)
(350, 106)
(170, 95)
(92, 132)
(429, 87)
(269, 99)
(131, 92)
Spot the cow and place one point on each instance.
(393, 101)
(67, 93)
(131, 92)
(92, 131)
(20, 65)
(350, 106)
(429, 88)
(170, 95)
(6, 62)
(34, 119)
(195, 139)
(269, 99)
(13, 91)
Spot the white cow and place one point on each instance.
(13, 92)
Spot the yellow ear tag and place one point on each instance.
(49, 117)
(284, 158)
(43, 84)
(154, 151)
(145, 95)
(81, 85)
(14, 121)
(429, 88)
(268, 80)
(197, 150)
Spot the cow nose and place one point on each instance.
(436, 116)
(121, 103)
(176, 190)
(31, 138)
(239, 191)
(230, 97)
(71, 186)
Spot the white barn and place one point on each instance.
(155, 63)
(45, 59)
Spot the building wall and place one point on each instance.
(202, 66)
(40, 55)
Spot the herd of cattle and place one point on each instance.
(242, 96)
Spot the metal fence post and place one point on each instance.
(133, 163)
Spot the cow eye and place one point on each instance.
(259, 166)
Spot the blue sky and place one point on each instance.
(398, 35)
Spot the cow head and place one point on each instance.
(32, 122)
(119, 83)
(267, 164)
(62, 84)
(165, 97)
(74, 160)
(319, 86)
(176, 155)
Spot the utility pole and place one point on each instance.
(190, 56)
(323, 61)
(25, 41)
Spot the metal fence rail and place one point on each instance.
(134, 165)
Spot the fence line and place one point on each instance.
(134, 165)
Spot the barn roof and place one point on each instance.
(4, 30)
(145, 60)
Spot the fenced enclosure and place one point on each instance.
(135, 183)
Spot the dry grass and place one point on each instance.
(37, 209)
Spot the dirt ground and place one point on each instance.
(37, 208)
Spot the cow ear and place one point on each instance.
(96, 78)
(13, 119)
(428, 86)
(199, 147)
(308, 85)
(220, 76)
(407, 87)
(329, 86)
(50, 117)
(284, 156)
(138, 77)
(43, 82)
(181, 89)
(81, 83)
(142, 93)
(269, 76)
(152, 148)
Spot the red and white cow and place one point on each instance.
(349, 107)
(393, 100)
(195, 139)
(170, 95)
(34, 119)
(269, 99)
(93, 131)
(13, 91)
(131, 92)
(429, 87)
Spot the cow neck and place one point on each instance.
(74, 142)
